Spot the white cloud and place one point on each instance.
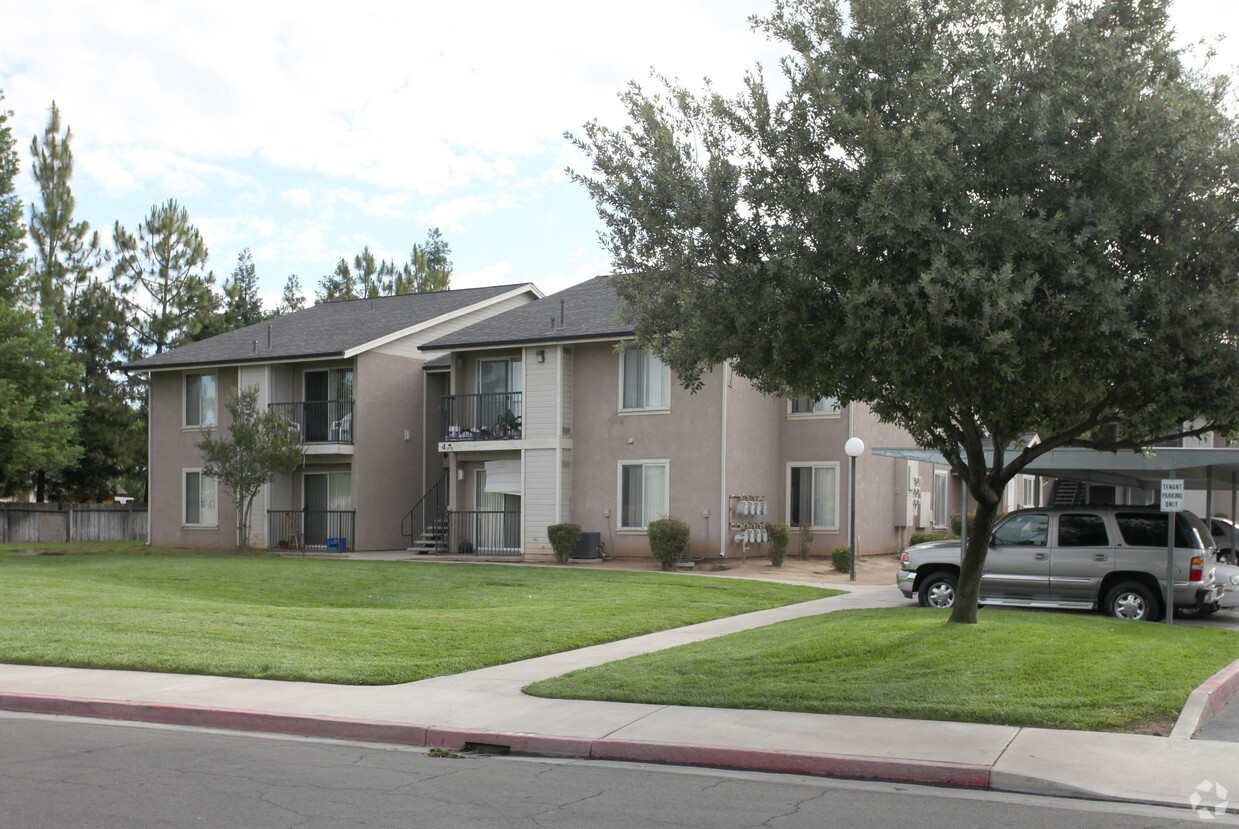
(450, 216)
(495, 274)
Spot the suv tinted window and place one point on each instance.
(1148, 529)
(1027, 529)
(1082, 531)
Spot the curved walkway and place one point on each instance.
(487, 707)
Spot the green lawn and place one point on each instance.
(1053, 670)
(353, 622)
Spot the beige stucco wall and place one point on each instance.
(602, 437)
(172, 451)
(754, 466)
(387, 467)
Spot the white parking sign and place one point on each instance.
(1172, 495)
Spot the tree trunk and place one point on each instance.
(969, 588)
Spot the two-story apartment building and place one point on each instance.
(468, 421)
(549, 415)
(348, 378)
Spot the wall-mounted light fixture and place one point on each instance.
(541, 355)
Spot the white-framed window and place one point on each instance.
(199, 504)
(643, 493)
(941, 481)
(812, 407)
(1030, 491)
(813, 494)
(645, 381)
(200, 401)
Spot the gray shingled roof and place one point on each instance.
(326, 330)
(590, 310)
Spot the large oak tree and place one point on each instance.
(983, 218)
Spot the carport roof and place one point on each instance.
(1143, 470)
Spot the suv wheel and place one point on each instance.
(938, 590)
(1131, 600)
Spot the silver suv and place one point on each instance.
(1113, 558)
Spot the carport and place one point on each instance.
(1200, 468)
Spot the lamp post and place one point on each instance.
(854, 447)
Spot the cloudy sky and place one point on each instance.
(305, 131)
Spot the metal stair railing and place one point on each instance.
(426, 513)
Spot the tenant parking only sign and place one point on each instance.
(1172, 495)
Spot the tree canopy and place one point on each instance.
(429, 269)
(160, 273)
(37, 420)
(982, 218)
(259, 446)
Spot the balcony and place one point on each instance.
(320, 421)
(494, 416)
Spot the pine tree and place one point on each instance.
(292, 300)
(65, 251)
(241, 305)
(161, 276)
(337, 285)
(36, 420)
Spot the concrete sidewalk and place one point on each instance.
(487, 707)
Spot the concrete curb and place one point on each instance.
(1203, 703)
(890, 770)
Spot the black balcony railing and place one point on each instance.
(317, 530)
(320, 421)
(489, 533)
(494, 416)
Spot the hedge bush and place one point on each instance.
(972, 516)
(921, 538)
(563, 538)
(780, 536)
(841, 557)
(668, 541)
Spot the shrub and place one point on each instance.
(972, 516)
(806, 540)
(841, 557)
(780, 536)
(921, 538)
(563, 538)
(668, 541)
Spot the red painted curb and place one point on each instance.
(822, 765)
(1221, 686)
(229, 719)
(958, 775)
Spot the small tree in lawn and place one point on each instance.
(259, 446)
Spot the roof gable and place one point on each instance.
(330, 329)
(586, 311)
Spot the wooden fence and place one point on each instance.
(48, 523)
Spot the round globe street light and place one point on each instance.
(854, 447)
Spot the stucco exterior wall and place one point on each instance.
(603, 438)
(754, 462)
(387, 465)
(172, 452)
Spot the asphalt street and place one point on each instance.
(68, 772)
